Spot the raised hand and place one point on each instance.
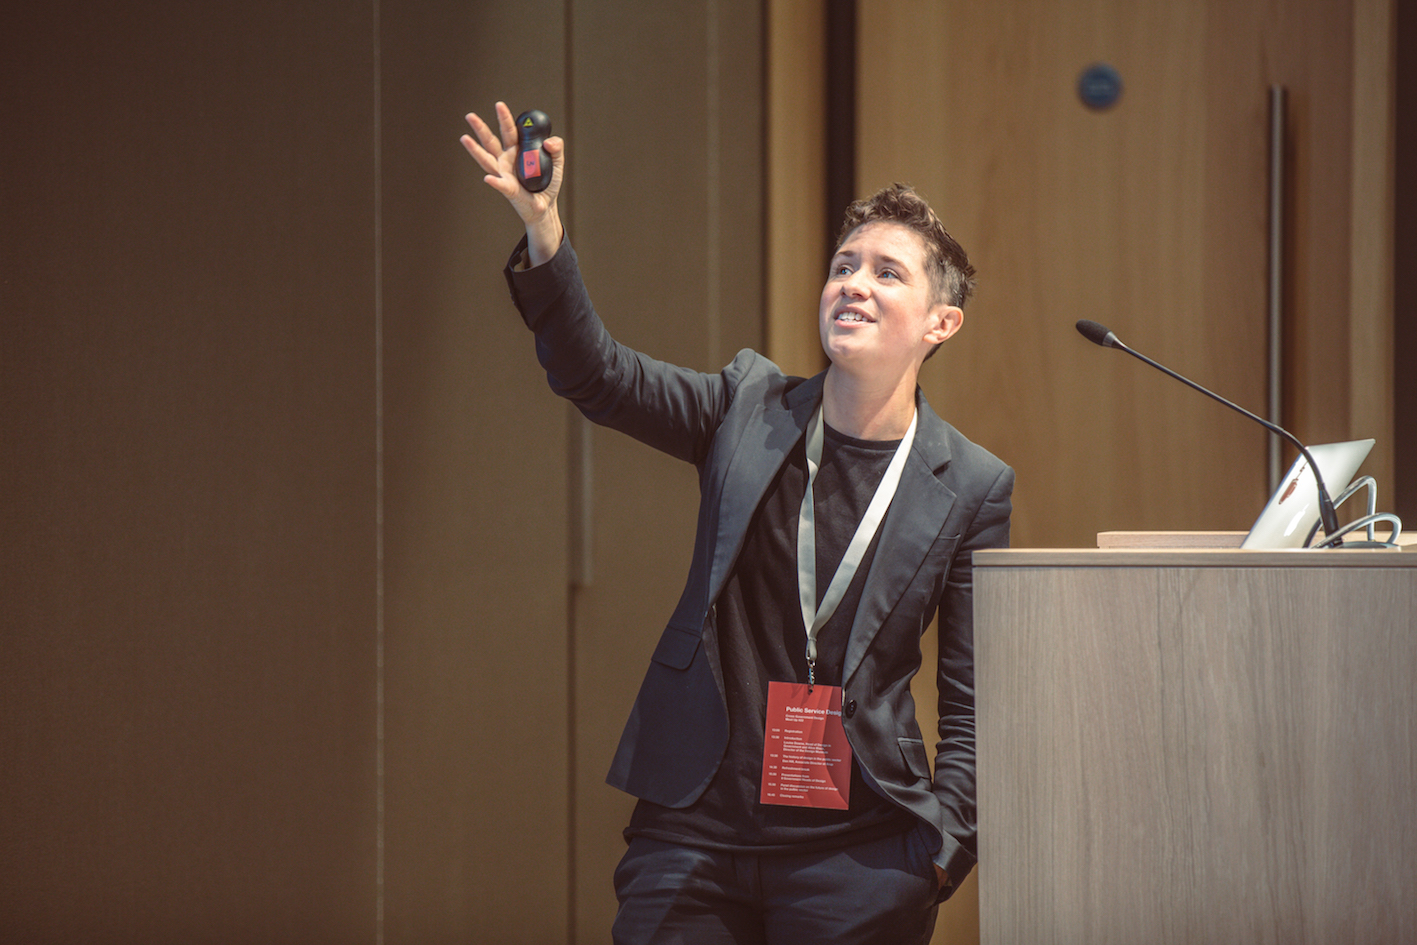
(498, 156)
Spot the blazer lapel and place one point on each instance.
(917, 514)
(767, 439)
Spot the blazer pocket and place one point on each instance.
(913, 751)
(677, 647)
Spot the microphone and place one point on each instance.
(1100, 335)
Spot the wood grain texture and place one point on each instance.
(796, 182)
(1180, 754)
(1072, 213)
(1149, 217)
(673, 255)
(476, 503)
(1371, 329)
(1195, 557)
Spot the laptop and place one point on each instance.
(1293, 510)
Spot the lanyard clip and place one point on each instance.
(811, 673)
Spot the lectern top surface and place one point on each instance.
(1194, 558)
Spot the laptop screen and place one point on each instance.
(1293, 510)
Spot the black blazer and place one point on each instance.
(737, 427)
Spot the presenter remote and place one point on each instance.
(533, 162)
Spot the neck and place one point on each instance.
(866, 411)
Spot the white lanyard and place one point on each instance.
(814, 617)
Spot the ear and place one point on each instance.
(945, 320)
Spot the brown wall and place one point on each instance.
(301, 642)
(475, 737)
(668, 221)
(321, 615)
(1150, 217)
(189, 476)
(1405, 265)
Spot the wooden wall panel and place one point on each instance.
(666, 158)
(187, 486)
(1372, 351)
(477, 729)
(796, 142)
(1070, 213)
(291, 652)
(1405, 264)
(1149, 217)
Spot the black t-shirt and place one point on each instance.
(761, 638)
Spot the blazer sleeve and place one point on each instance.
(670, 408)
(954, 777)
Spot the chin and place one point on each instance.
(845, 356)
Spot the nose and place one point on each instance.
(854, 286)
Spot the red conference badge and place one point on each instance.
(806, 758)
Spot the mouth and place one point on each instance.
(852, 316)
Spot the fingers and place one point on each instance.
(485, 138)
(498, 159)
(508, 187)
(557, 149)
(488, 153)
(507, 124)
(487, 161)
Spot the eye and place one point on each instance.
(841, 269)
(889, 274)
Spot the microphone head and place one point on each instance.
(1097, 334)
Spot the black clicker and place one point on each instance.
(533, 161)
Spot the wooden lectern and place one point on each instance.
(1196, 746)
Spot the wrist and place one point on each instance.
(543, 237)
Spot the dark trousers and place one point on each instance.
(878, 893)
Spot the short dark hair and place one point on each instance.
(946, 263)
